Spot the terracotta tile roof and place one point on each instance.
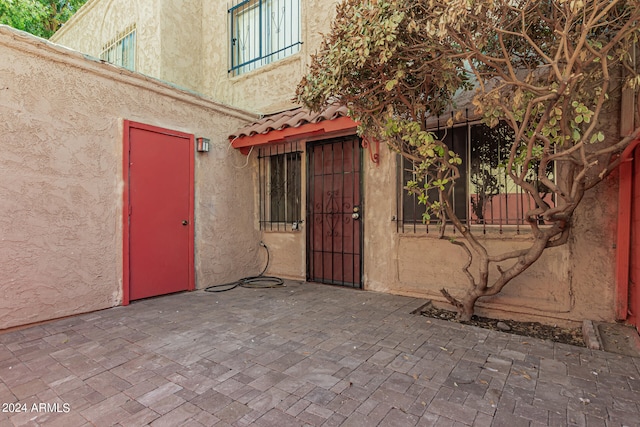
(289, 119)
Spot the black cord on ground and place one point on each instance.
(259, 281)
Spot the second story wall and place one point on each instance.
(269, 88)
(166, 42)
(181, 41)
(188, 43)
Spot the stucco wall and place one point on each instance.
(270, 88)
(287, 247)
(569, 283)
(420, 264)
(168, 35)
(61, 180)
(182, 59)
(186, 42)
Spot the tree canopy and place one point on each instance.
(39, 17)
(547, 69)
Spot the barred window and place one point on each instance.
(263, 31)
(121, 50)
(484, 194)
(280, 187)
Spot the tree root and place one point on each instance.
(463, 314)
(454, 301)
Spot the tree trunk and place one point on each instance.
(480, 288)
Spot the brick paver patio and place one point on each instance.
(305, 354)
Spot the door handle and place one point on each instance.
(185, 222)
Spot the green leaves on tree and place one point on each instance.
(39, 17)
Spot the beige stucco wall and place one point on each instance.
(61, 180)
(168, 41)
(186, 42)
(181, 56)
(270, 88)
(287, 247)
(569, 283)
(423, 264)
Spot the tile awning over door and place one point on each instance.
(293, 124)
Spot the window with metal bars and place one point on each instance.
(121, 50)
(484, 195)
(280, 187)
(262, 31)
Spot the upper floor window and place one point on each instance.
(263, 31)
(121, 50)
(484, 195)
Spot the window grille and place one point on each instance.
(484, 195)
(262, 31)
(121, 50)
(280, 186)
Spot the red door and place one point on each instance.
(158, 212)
(334, 213)
(634, 267)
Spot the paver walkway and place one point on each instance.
(304, 354)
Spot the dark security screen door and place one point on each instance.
(334, 212)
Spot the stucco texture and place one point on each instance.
(287, 247)
(61, 182)
(99, 21)
(191, 49)
(567, 284)
(270, 88)
(168, 41)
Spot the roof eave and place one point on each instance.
(305, 131)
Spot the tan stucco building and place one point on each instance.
(186, 42)
(62, 185)
(329, 207)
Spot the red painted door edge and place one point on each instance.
(127, 125)
(191, 286)
(623, 245)
(125, 212)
